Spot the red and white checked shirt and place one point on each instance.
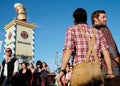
(111, 43)
(75, 38)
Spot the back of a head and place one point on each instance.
(80, 15)
(96, 14)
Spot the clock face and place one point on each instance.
(24, 34)
(10, 35)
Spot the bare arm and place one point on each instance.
(16, 69)
(108, 63)
(65, 59)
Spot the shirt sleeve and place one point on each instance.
(103, 42)
(69, 39)
(16, 64)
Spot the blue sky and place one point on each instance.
(51, 18)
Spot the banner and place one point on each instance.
(24, 41)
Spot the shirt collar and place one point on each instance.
(8, 59)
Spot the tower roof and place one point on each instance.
(19, 22)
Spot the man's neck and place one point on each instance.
(8, 58)
(81, 23)
(99, 26)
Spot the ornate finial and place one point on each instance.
(21, 11)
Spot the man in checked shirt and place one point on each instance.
(76, 38)
(99, 19)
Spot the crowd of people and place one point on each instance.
(77, 42)
(24, 75)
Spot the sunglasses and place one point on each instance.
(8, 51)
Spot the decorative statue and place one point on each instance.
(21, 11)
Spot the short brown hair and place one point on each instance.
(96, 15)
(10, 50)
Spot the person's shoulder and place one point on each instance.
(14, 59)
(70, 27)
(87, 27)
(28, 70)
(99, 32)
(3, 62)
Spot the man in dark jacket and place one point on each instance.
(9, 69)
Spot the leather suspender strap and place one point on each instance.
(90, 43)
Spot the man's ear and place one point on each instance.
(95, 20)
(74, 19)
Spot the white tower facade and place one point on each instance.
(20, 38)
